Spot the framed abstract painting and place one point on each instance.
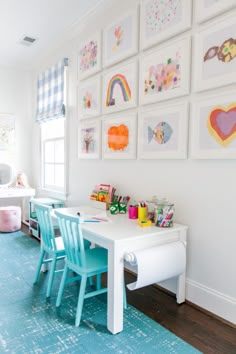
(215, 54)
(160, 20)
(89, 97)
(89, 58)
(165, 71)
(89, 139)
(120, 39)
(213, 127)
(119, 136)
(120, 87)
(206, 9)
(163, 132)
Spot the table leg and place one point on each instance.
(115, 289)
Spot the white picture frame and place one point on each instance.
(89, 139)
(89, 56)
(120, 39)
(211, 67)
(119, 136)
(165, 71)
(162, 20)
(206, 9)
(120, 87)
(89, 97)
(213, 126)
(163, 132)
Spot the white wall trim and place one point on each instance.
(218, 303)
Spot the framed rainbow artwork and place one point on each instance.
(213, 127)
(120, 88)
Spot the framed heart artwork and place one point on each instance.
(213, 127)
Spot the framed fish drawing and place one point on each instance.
(213, 127)
(215, 54)
(163, 132)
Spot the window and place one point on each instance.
(53, 155)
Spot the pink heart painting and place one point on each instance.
(221, 124)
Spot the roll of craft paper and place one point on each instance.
(157, 263)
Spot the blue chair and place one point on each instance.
(51, 246)
(85, 263)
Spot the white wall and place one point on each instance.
(203, 190)
(16, 99)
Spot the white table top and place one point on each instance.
(14, 192)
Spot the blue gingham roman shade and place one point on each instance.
(51, 93)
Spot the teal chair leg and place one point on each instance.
(98, 281)
(124, 298)
(62, 286)
(51, 276)
(42, 254)
(80, 300)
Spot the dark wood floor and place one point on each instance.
(203, 331)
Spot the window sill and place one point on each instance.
(53, 194)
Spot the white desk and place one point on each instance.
(22, 193)
(119, 236)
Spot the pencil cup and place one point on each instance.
(114, 208)
(133, 212)
(122, 208)
(142, 213)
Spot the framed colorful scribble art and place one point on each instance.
(89, 58)
(89, 139)
(215, 54)
(119, 136)
(165, 72)
(160, 20)
(120, 87)
(206, 9)
(163, 132)
(89, 97)
(213, 127)
(120, 39)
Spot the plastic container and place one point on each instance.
(164, 213)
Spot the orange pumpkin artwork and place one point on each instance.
(118, 137)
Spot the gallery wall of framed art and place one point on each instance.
(157, 62)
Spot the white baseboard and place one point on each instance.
(213, 301)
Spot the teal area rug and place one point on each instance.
(31, 324)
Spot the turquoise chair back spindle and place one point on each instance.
(52, 247)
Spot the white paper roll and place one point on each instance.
(157, 263)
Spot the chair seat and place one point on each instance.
(59, 243)
(96, 258)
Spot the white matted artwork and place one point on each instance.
(163, 132)
(215, 54)
(7, 132)
(89, 58)
(206, 9)
(119, 136)
(120, 39)
(213, 127)
(89, 97)
(120, 87)
(89, 139)
(160, 20)
(165, 72)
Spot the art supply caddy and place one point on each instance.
(158, 212)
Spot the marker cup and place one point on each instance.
(142, 213)
(133, 212)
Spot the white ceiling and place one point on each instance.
(45, 20)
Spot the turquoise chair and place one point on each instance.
(84, 262)
(51, 246)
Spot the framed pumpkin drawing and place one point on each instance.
(213, 127)
(160, 20)
(89, 139)
(120, 39)
(120, 87)
(215, 54)
(89, 97)
(89, 58)
(165, 71)
(119, 136)
(163, 132)
(206, 9)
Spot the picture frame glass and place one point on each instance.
(89, 98)
(89, 139)
(89, 57)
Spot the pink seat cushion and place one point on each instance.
(10, 219)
